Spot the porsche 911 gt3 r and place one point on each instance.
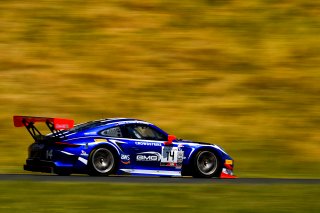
(119, 146)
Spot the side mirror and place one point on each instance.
(170, 139)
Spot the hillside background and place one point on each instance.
(242, 74)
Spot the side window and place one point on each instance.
(142, 131)
(112, 132)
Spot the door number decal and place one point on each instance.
(49, 154)
(171, 156)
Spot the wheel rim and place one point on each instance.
(102, 160)
(207, 162)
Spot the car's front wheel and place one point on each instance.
(102, 161)
(206, 164)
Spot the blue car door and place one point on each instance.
(151, 155)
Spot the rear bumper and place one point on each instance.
(38, 168)
(36, 165)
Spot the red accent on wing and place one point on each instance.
(59, 123)
(19, 120)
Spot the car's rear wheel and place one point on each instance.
(102, 161)
(206, 164)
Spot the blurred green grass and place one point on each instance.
(92, 197)
(242, 74)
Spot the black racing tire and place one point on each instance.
(206, 164)
(102, 162)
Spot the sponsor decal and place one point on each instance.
(83, 153)
(100, 140)
(36, 146)
(147, 143)
(179, 156)
(62, 126)
(125, 159)
(148, 156)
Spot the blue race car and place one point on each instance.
(119, 146)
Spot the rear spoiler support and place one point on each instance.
(54, 131)
(34, 132)
(55, 125)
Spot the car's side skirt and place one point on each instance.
(151, 172)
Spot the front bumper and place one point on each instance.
(227, 174)
(227, 171)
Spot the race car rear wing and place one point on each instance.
(55, 125)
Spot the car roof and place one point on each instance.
(103, 122)
(114, 120)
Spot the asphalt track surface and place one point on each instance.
(150, 180)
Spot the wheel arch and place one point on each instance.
(111, 147)
(114, 152)
(187, 169)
